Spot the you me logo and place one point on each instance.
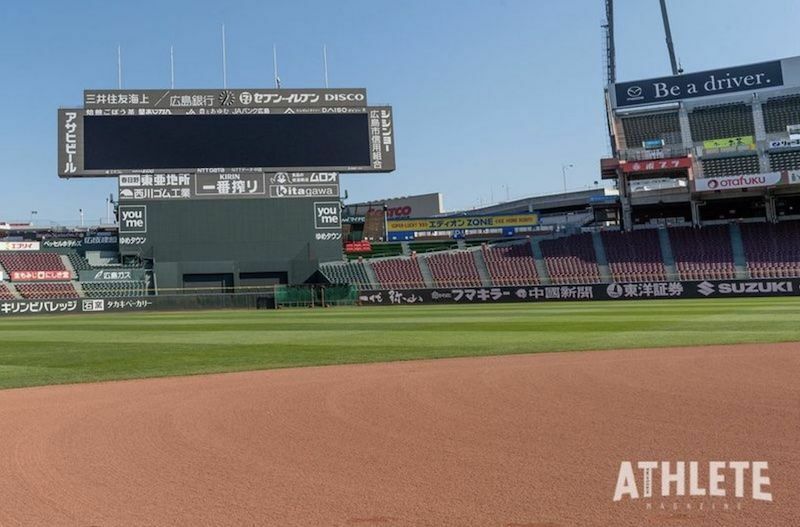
(716, 479)
(133, 219)
(327, 215)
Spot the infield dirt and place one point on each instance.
(526, 440)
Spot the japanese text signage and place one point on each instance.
(463, 223)
(205, 99)
(657, 165)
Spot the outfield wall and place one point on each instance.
(137, 304)
(583, 292)
(433, 296)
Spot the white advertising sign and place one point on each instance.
(737, 182)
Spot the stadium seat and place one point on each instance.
(634, 256)
(5, 292)
(643, 128)
(730, 166)
(454, 269)
(720, 122)
(703, 254)
(346, 273)
(47, 290)
(780, 112)
(114, 289)
(511, 264)
(772, 251)
(31, 261)
(399, 273)
(786, 160)
(571, 260)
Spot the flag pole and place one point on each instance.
(171, 68)
(224, 60)
(119, 67)
(275, 66)
(325, 62)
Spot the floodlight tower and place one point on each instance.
(670, 46)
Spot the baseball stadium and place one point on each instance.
(244, 344)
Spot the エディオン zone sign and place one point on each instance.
(464, 223)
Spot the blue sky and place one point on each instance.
(491, 97)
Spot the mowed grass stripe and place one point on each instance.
(49, 350)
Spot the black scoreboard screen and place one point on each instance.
(137, 142)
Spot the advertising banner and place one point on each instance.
(112, 275)
(784, 143)
(204, 99)
(730, 142)
(737, 182)
(701, 84)
(794, 177)
(20, 246)
(657, 165)
(463, 223)
(62, 243)
(555, 293)
(40, 276)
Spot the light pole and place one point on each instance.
(33, 214)
(80, 211)
(564, 174)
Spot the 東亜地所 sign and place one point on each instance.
(702, 84)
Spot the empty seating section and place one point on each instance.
(31, 261)
(399, 273)
(780, 112)
(634, 256)
(114, 289)
(648, 127)
(788, 160)
(720, 122)
(345, 273)
(78, 262)
(772, 251)
(454, 269)
(5, 292)
(571, 260)
(511, 264)
(730, 166)
(703, 254)
(47, 290)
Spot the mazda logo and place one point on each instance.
(634, 92)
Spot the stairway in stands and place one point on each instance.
(602, 259)
(666, 254)
(739, 260)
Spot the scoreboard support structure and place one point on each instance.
(227, 190)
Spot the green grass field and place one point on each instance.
(66, 349)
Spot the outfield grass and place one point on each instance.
(65, 349)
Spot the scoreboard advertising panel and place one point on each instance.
(186, 131)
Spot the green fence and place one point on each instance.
(315, 296)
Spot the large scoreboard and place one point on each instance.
(231, 187)
(124, 131)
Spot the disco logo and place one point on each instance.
(245, 97)
(614, 290)
(634, 93)
(705, 288)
